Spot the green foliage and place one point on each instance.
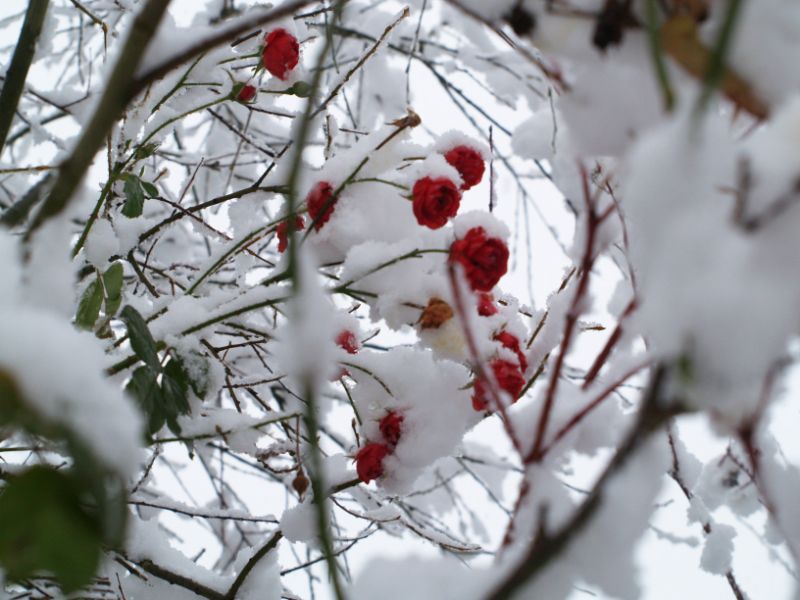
(108, 288)
(142, 342)
(136, 191)
(44, 526)
(112, 282)
(56, 521)
(301, 89)
(162, 391)
(89, 307)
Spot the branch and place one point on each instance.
(547, 547)
(227, 34)
(112, 103)
(179, 580)
(20, 63)
(261, 553)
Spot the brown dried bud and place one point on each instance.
(300, 483)
(412, 119)
(435, 314)
(521, 21)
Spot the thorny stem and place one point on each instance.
(481, 373)
(572, 316)
(312, 425)
(657, 54)
(716, 68)
(546, 547)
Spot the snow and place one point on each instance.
(535, 137)
(493, 226)
(298, 524)
(58, 372)
(714, 281)
(718, 549)
(437, 411)
(101, 244)
(416, 577)
(454, 138)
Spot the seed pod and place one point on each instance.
(300, 483)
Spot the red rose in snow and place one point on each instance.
(369, 461)
(247, 93)
(512, 343)
(435, 201)
(485, 259)
(390, 427)
(469, 164)
(283, 231)
(486, 306)
(317, 199)
(508, 377)
(281, 53)
(347, 341)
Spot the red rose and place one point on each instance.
(347, 341)
(469, 164)
(508, 377)
(318, 198)
(512, 343)
(435, 201)
(390, 427)
(485, 259)
(486, 306)
(247, 93)
(369, 461)
(283, 231)
(281, 53)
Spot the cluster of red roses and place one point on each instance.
(434, 200)
(369, 460)
(280, 55)
(437, 199)
(508, 375)
(485, 260)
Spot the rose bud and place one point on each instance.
(246, 93)
(511, 342)
(283, 232)
(281, 53)
(390, 427)
(347, 341)
(485, 259)
(469, 163)
(318, 198)
(369, 461)
(435, 201)
(486, 305)
(508, 377)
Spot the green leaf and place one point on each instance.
(44, 527)
(198, 374)
(143, 386)
(301, 89)
(145, 151)
(112, 281)
(89, 307)
(134, 197)
(150, 190)
(142, 341)
(175, 390)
